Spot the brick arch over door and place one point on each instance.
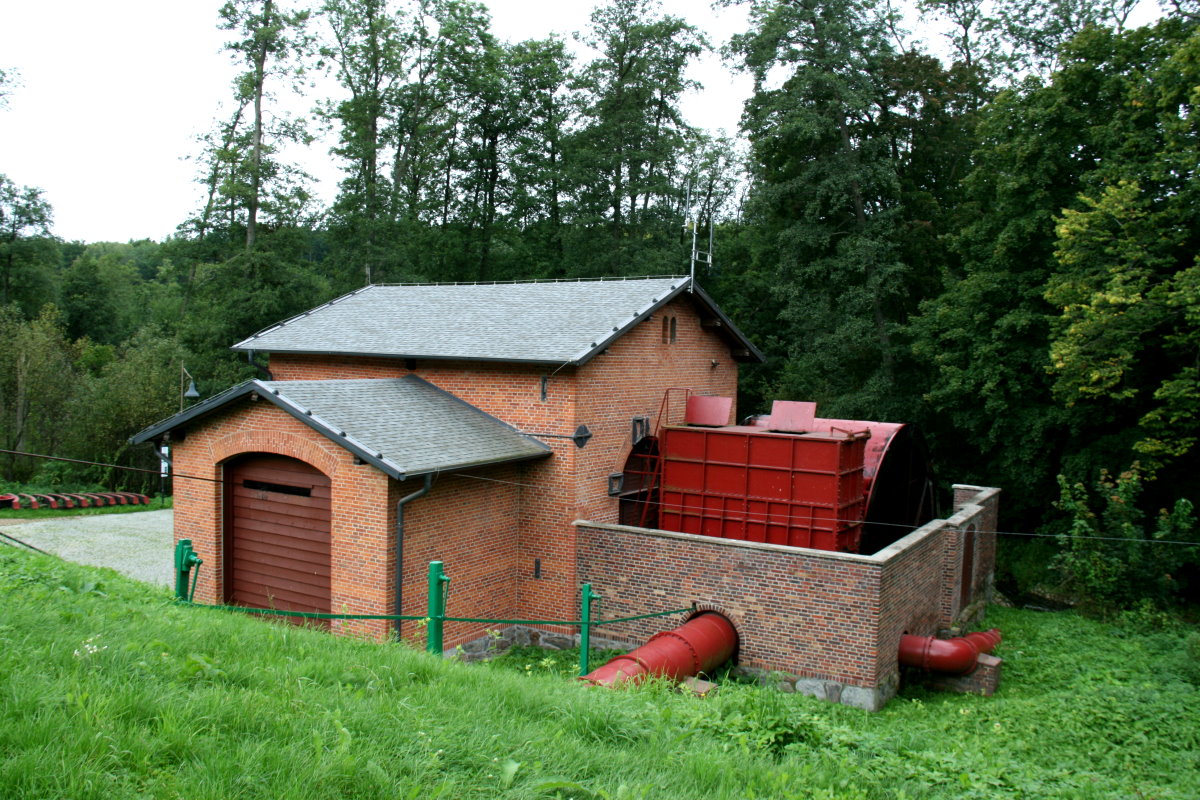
(277, 534)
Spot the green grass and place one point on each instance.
(109, 690)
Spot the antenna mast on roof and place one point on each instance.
(690, 226)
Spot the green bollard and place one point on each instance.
(585, 628)
(185, 559)
(437, 608)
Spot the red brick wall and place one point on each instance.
(629, 379)
(977, 516)
(470, 523)
(910, 590)
(290, 367)
(513, 394)
(805, 612)
(360, 529)
(809, 613)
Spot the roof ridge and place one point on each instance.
(527, 281)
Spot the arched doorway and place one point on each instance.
(277, 552)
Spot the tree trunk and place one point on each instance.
(260, 63)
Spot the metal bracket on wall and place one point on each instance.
(580, 437)
(641, 428)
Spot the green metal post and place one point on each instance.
(437, 608)
(185, 559)
(585, 628)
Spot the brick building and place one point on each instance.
(479, 425)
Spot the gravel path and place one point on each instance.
(138, 544)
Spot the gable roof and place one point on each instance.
(404, 426)
(564, 322)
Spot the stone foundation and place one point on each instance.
(983, 681)
(486, 647)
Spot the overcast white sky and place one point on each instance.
(114, 94)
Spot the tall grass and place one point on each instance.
(109, 690)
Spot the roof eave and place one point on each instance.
(548, 362)
(201, 409)
(329, 431)
(416, 473)
(752, 353)
(217, 402)
(741, 348)
(597, 348)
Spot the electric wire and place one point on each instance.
(752, 516)
(22, 543)
(749, 516)
(113, 466)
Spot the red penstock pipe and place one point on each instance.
(701, 644)
(985, 640)
(957, 656)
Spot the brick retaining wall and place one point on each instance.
(816, 615)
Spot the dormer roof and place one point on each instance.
(403, 426)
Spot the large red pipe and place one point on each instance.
(701, 644)
(957, 656)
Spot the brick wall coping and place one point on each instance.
(962, 514)
(982, 493)
(881, 557)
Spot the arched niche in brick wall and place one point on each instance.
(968, 566)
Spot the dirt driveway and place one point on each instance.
(139, 544)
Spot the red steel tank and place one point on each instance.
(787, 478)
(742, 482)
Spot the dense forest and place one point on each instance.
(997, 241)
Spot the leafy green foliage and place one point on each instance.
(1110, 557)
(1054, 349)
(271, 43)
(1126, 341)
(27, 252)
(37, 377)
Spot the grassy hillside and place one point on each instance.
(108, 690)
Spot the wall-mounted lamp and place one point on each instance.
(191, 393)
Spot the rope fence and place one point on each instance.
(187, 572)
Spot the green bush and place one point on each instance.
(1110, 558)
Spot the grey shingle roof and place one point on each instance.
(404, 426)
(546, 323)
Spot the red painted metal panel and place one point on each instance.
(748, 483)
(705, 410)
(277, 543)
(792, 417)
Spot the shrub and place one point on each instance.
(1110, 558)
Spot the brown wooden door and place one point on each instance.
(277, 535)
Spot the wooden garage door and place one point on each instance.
(276, 534)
